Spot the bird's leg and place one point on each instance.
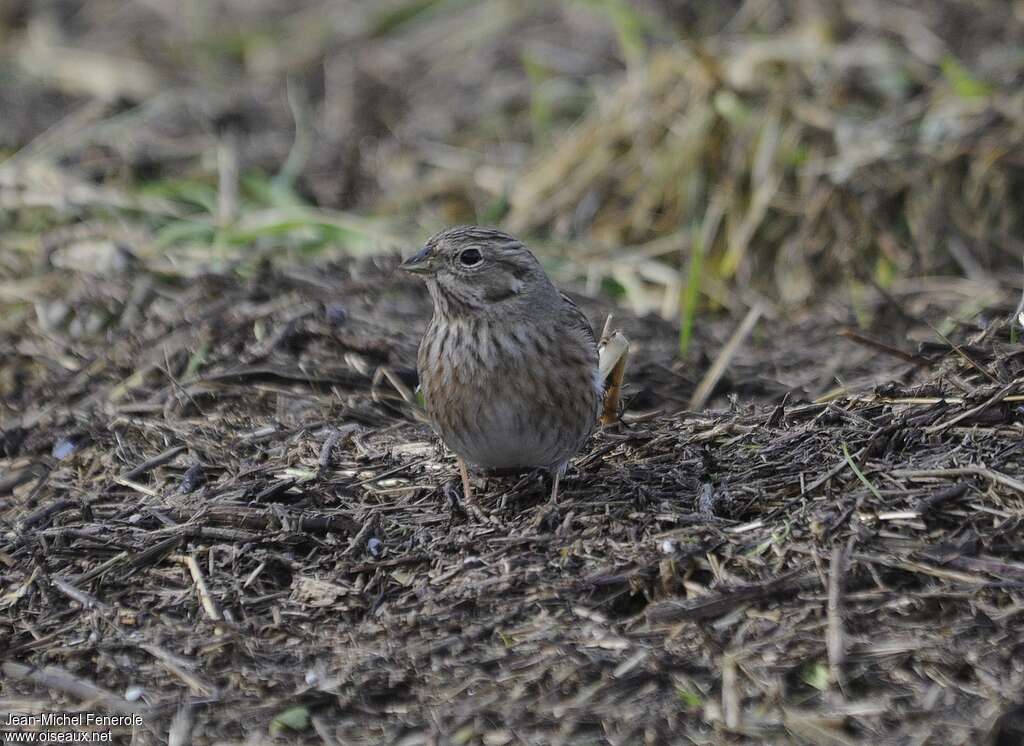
(467, 489)
(467, 493)
(554, 486)
(549, 512)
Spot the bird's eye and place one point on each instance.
(470, 257)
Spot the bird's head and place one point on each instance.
(469, 269)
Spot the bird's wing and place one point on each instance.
(577, 319)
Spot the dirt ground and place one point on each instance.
(229, 515)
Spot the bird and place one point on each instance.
(508, 365)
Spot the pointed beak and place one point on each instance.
(420, 263)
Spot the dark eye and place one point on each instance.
(470, 257)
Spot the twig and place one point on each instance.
(882, 347)
(963, 353)
(830, 473)
(730, 693)
(835, 634)
(180, 732)
(148, 465)
(995, 399)
(247, 518)
(976, 471)
(52, 677)
(103, 567)
(180, 668)
(86, 600)
(408, 396)
(716, 605)
(40, 515)
(935, 500)
(717, 370)
(209, 605)
(358, 541)
(389, 472)
(140, 488)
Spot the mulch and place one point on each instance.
(219, 511)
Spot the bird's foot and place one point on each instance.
(467, 507)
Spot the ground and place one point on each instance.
(278, 539)
(222, 512)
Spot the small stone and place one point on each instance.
(336, 314)
(193, 479)
(64, 448)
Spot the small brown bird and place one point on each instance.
(508, 366)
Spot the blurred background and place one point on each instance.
(679, 157)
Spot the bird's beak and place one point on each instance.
(420, 263)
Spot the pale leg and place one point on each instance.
(467, 493)
(546, 512)
(467, 489)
